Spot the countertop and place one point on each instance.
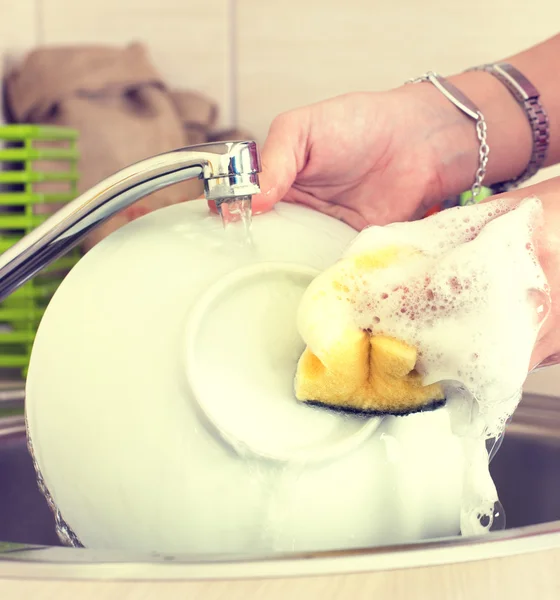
(513, 578)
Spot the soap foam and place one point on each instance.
(470, 296)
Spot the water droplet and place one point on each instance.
(498, 518)
(541, 302)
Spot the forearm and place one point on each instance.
(509, 133)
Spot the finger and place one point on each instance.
(283, 156)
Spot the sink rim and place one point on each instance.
(537, 416)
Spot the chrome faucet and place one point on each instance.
(229, 170)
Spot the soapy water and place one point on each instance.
(443, 299)
(471, 296)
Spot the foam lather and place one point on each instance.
(350, 368)
(413, 306)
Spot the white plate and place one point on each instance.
(242, 348)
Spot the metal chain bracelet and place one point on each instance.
(483, 153)
(465, 105)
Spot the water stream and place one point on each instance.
(236, 215)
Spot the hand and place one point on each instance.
(547, 242)
(365, 157)
(547, 348)
(374, 158)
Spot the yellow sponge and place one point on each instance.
(376, 376)
(357, 371)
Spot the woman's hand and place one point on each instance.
(363, 158)
(547, 246)
(373, 158)
(547, 348)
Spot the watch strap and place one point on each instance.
(528, 97)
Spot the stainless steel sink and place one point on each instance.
(526, 471)
(526, 468)
(24, 514)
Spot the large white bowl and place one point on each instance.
(160, 406)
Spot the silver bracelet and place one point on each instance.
(471, 110)
(527, 96)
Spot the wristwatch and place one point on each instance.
(527, 97)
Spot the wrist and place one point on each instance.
(509, 132)
(454, 140)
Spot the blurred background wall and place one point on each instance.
(258, 58)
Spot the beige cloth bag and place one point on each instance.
(122, 109)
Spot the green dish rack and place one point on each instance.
(38, 174)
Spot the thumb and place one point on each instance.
(281, 158)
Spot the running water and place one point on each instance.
(236, 215)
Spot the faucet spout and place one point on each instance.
(229, 170)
